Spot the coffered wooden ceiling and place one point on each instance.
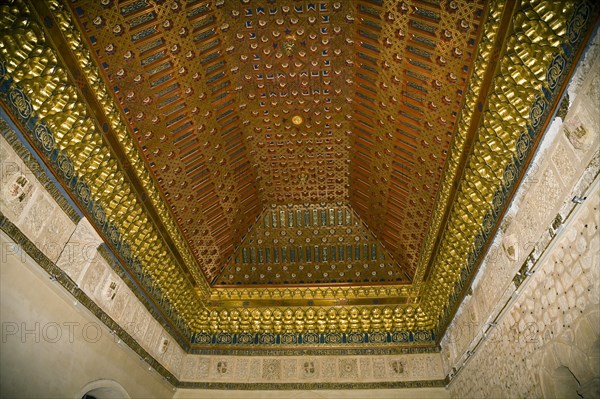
(292, 158)
(237, 106)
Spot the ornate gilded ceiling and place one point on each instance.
(240, 105)
(332, 167)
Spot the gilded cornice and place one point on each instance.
(340, 293)
(524, 93)
(463, 136)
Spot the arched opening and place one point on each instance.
(103, 389)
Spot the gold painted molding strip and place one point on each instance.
(553, 107)
(519, 133)
(236, 303)
(315, 293)
(498, 50)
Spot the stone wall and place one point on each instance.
(553, 323)
(531, 326)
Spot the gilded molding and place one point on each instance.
(510, 130)
(340, 293)
(481, 65)
(366, 324)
